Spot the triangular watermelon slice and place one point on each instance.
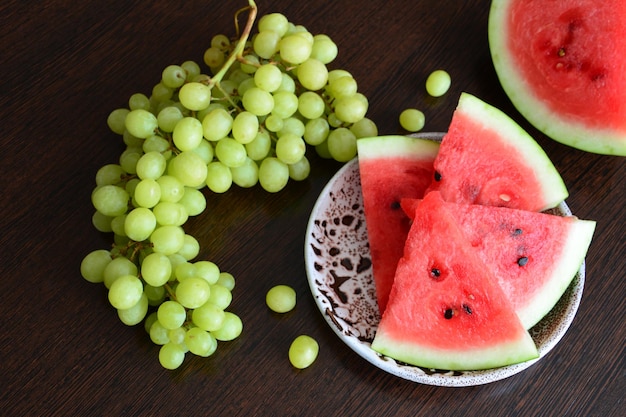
(446, 310)
(534, 256)
(391, 167)
(486, 158)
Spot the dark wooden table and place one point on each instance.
(66, 65)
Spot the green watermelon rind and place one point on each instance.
(553, 188)
(394, 146)
(532, 108)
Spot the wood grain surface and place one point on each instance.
(67, 64)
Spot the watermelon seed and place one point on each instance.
(448, 313)
(467, 309)
(437, 176)
(505, 197)
(435, 273)
(395, 205)
(517, 232)
(522, 261)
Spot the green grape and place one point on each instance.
(292, 126)
(117, 120)
(288, 84)
(333, 121)
(171, 314)
(129, 159)
(324, 49)
(219, 177)
(342, 144)
(93, 265)
(281, 298)
(110, 200)
(156, 295)
(290, 148)
(246, 85)
(412, 120)
(147, 193)
(158, 333)
(312, 74)
(273, 174)
(311, 105)
(187, 134)
(273, 123)
(173, 76)
(170, 214)
(231, 327)
(135, 314)
(193, 292)
(227, 280)
(276, 22)
(364, 128)
(245, 127)
(230, 152)
(220, 296)
(438, 83)
(205, 151)
(149, 321)
(132, 141)
(193, 201)
(200, 342)
(257, 101)
(250, 64)
(220, 41)
(316, 131)
(172, 190)
(156, 269)
(125, 292)
(350, 108)
(268, 77)
(175, 260)
(303, 351)
(336, 74)
(213, 57)
(141, 123)
(109, 174)
(190, 249)
(139, 224)
(101, 222)
(208, 271)
(167, 239)
(300, 170)
(117, 225)
(168, 117)
(285, 104)
(260, 147)
(246, 175)
(161, 93)
(217, 124)
(194, 96)
(189, 168)
(191, 68)
(158, 144)
(185, 270)
(177, 335)
(295, 49)
(340, 86)
(171, 356)
(265, 43)
(151, 165)
(139, 101)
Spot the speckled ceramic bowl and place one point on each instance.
(339, 270)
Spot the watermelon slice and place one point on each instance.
(486, 158)
(446, 310)
(563, 65)
(391, 167)
(534, 256)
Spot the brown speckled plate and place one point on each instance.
(339, 271)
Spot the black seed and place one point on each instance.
(435, 273)
(448, 313)
(395, 205)
(517, 232)
(467, 309)
(437, 176)
(522, 261)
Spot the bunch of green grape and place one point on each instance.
(263, 102)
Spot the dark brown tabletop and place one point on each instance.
(64, 352)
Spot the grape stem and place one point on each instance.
(237, 52)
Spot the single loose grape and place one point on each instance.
(438, 83)
(281, 298)
(412, 120)
(303, 351)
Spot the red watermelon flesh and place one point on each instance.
(533, 256)
(391, 167)
(446, 310)
(563, 65)
(486, 158)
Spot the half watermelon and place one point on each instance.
(563, 65)
(487, 158)
(391, 168)
(446, 310)
(533, 256)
